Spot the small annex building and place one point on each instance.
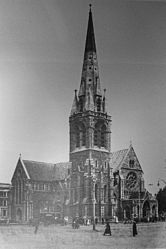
(131, 199)
(4, 201)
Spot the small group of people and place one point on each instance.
(107, 230)
(75, 223)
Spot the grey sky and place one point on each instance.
(41, 54)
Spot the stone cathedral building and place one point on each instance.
(96, 182)
(114, 181)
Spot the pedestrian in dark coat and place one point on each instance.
(134, 228)
(107, 229)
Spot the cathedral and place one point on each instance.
(112, 182)
(96, 183)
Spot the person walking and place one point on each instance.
(107, 229)
(134, 228)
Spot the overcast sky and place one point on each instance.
(41, 55)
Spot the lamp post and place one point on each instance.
(91, 175)
(139, 199)
(94, 179)
(139, 204)
(94, 205)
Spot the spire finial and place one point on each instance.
(130, 143)
(75, 93)
(20, 155)
(104, 92)
(90, 5)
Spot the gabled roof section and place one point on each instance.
(39, 171)
(20, 164)
(61, 170)
(120, 159)
(117, 159)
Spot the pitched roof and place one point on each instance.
(117, 158)
(41, 171)
(61, 170)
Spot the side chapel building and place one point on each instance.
(112, 182)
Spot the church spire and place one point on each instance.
(89, 95)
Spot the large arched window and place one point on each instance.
(82, 135)
(100, 135)
(96, 192)
(103, 136)
(105, 193)
(77, 136)
(80, 132)
(18, 191)
(96, 135)
(81, 104)
(98, 104)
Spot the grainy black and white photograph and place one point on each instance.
(82, 124)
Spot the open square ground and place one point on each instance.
(150, 235)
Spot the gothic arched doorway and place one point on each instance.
(127, 212)
(58, 211)
(19, 215)
(146, 209)
(153, 212)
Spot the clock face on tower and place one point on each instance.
(131, 180)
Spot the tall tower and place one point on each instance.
(90, 137)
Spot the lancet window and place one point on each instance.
(80, 135)
(100, 135)
(105, 193)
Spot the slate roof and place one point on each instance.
(61, 170)
(117, 158)
(41, 171)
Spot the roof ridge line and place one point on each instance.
(118, 150)
(36, 161)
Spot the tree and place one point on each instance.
(161, 197)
